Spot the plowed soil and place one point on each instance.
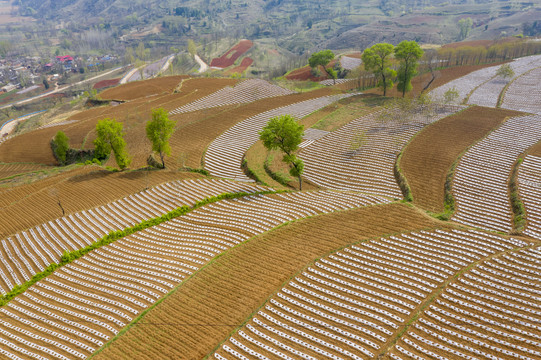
(196, 317)
(106, 83)
(427, 159)
(86, 187)
(138, 89)
(229, 58)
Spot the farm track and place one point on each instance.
(221, 296)
(331, 163)
(153, 262)
(427, 159)
(352, 303)
(480, 184)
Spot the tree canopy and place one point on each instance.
(284, 133)
(376, 59)
(111, 138)
(322, 58)
(159, 131)
(409, 53)
(505, 71)
(61, 147)
(464, 26)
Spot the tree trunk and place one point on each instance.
(300, 183)
(163, 163)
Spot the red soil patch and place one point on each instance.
(356, 55)
(106, 83)
(140, 89)
(305, 74)
(428, 157)
(229, 58)
(245, 63)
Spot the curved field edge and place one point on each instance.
(70, 256)
(328, 118)
(429, 157)
(211, 304)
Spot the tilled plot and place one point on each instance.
(209, 306)
(427, 159)
(480, 184)
(28, 252)
(91, 299)
(352, 303)
(224, 155)
(332, 163)
(524, 93)
(490, 311)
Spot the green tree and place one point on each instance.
(505, 71)
(451, 95)
(159, 131)
(284, 133)
(61, 147)
(192, 48)
(322, 58)
(464, 25)
(376, 59)
(409, 53)
(111, 138)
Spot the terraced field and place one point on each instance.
(224, 155)
(426, 166)
(91, 299)
(355, 301)
(332, 163)
(523, 93)
(481, 186)
(345, 271)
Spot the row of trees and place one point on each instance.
(379, 60)
(110, 138)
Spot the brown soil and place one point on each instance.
(138, 89)
(305, 73)
(535, 150)
(106, 83)
(245, 64)
(86, 187)
(196, 317)
(427, 159)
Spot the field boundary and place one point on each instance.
(517, 206)
(68, 257)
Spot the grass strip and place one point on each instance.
(519, 213)
(70, 256)
(401, 179)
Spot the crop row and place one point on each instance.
(361, 155)
(29, 252)
(353, 302)
(524, 93)
(244, 92)
(224, 155)
(480, 184)
(83, 304)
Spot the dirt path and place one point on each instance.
(202, 65)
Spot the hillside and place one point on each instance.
(296, 26)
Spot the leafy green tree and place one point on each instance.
(192, 48)
(61, 147)
(505, 71)
(159, 131)
(409, 53)
(321, 58)
(111, 138)
(464, 25)
(376, 59)
(284, 133)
